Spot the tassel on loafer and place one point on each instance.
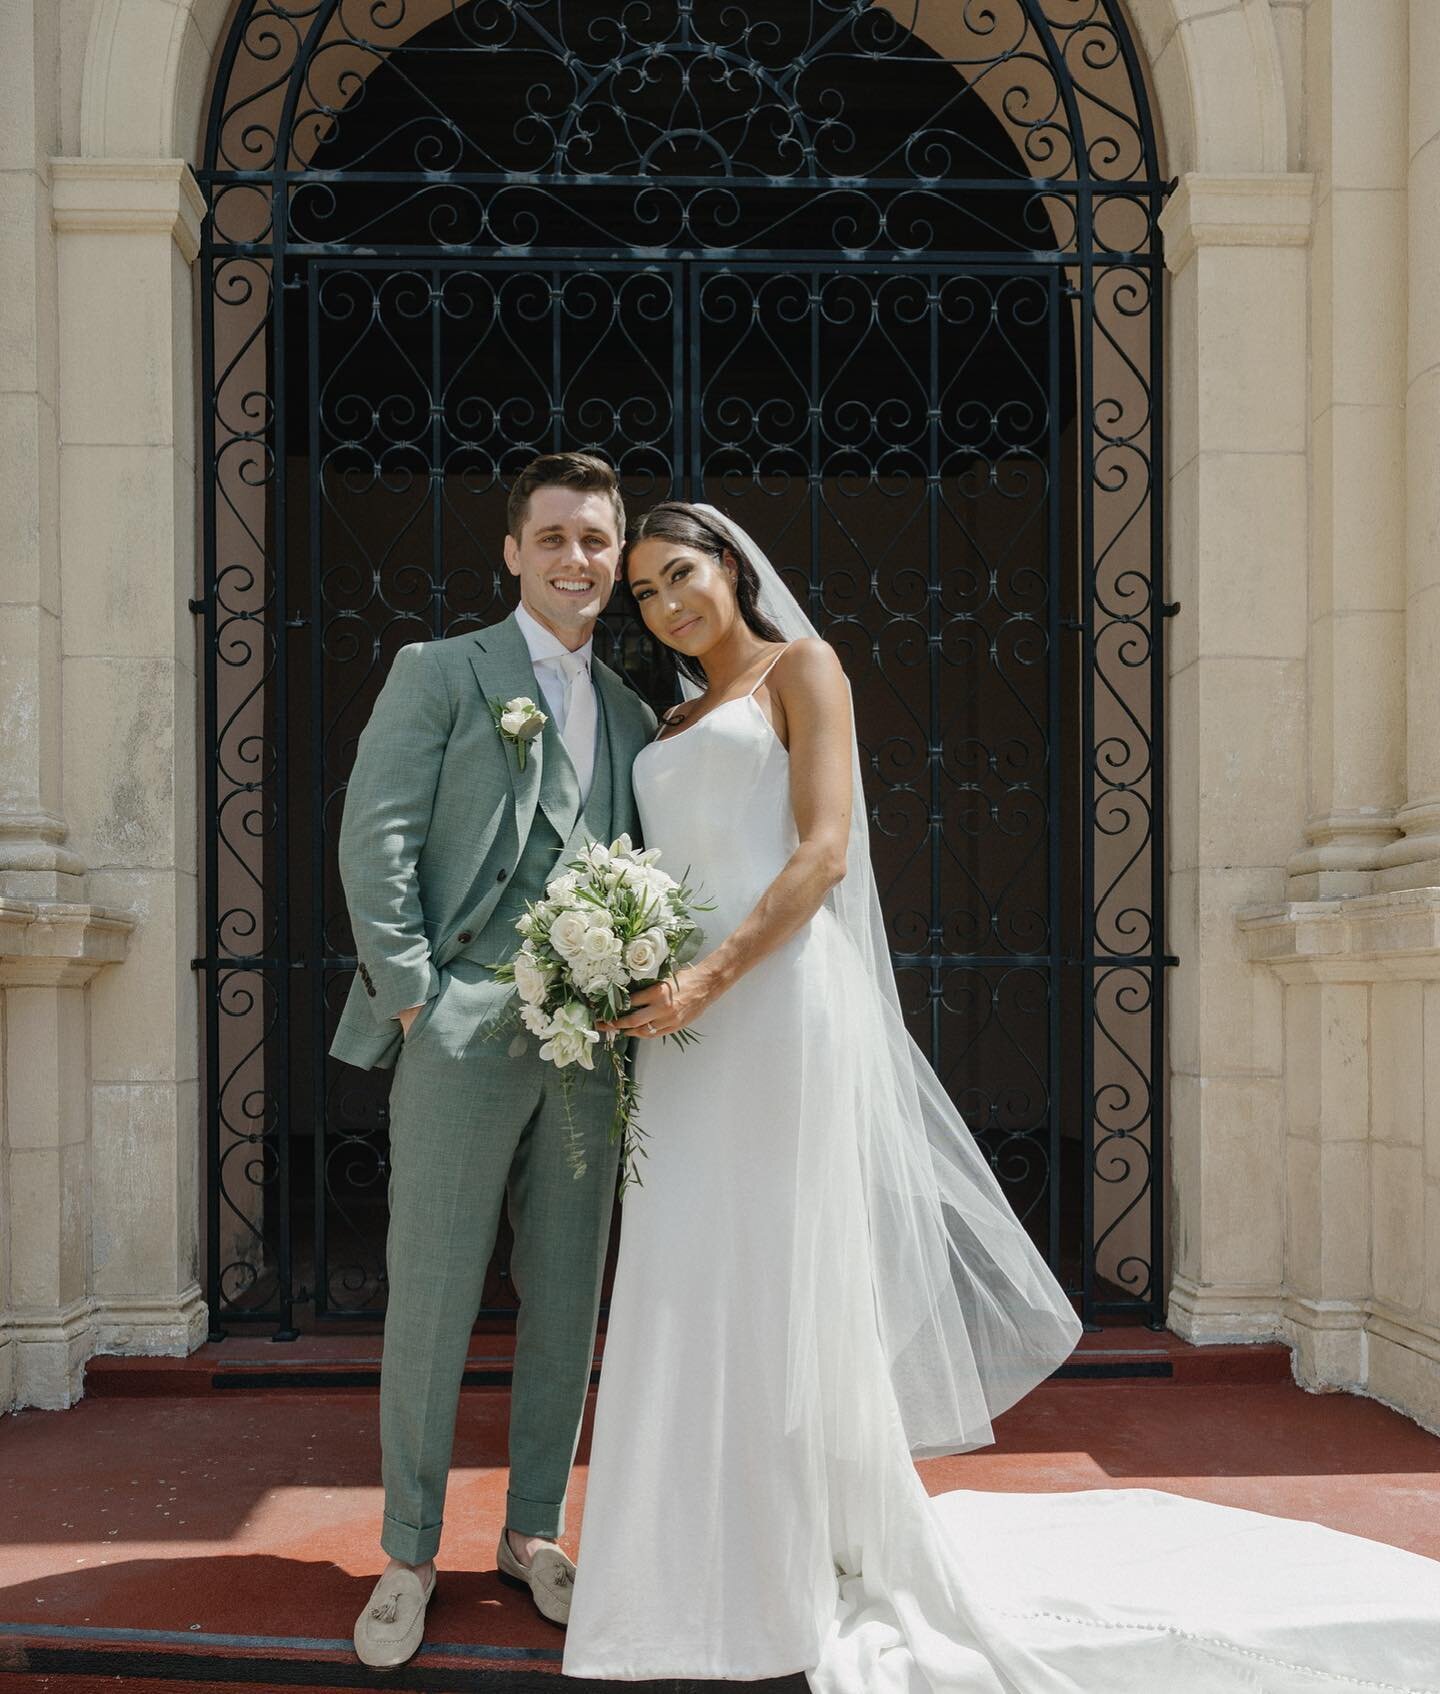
(392, 1626)
(549, 1576)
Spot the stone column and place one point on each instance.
(49, 951)
(34, 859)
(1356, 145)
(128, 235)
(1362, 1034)
(1236, 739)
(1414, 862)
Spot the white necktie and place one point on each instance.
(577, 728)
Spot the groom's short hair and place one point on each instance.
(583, 472)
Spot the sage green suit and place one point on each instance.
(443, 841)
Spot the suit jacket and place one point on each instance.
(437, 814)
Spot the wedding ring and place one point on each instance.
(650, 1028)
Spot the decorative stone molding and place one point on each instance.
(1415, 858)
(1366, 938)
(1340, 858)
(128, 196)
(50, 1350)
(151, 1326)
(1328, 1341)
(1215, 1313)
(58, 945)
(1260, 210)
(1362, 1079)
(33, 841)
(55, 944)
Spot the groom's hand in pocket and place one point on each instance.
(407, 1017)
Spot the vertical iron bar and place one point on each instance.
(814, 281)
(209, 591)
(679, 276)
(279, 626)
(695, 482)
(319, 1117)
(1158, 983)
(437, 462)
(557, 389)
(1055, 834)
(1086, 443)
(932, 649)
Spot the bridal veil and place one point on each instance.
(969, 1315)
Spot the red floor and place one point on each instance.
(224, 1513)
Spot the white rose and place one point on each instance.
(531, 977)
(536, 1020)
(601, 944)
(521, 718)
(646, 953)
(568, 932)
(561, 889)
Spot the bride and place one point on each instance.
(820, 1279)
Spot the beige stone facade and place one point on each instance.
(1303, 544)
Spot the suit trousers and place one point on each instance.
(477, 1117)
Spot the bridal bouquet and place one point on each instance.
(611, 922)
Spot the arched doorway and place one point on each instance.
(883, 281)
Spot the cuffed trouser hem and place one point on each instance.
(534, 1517)
(406, 1542)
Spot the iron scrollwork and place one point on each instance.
(883, 279)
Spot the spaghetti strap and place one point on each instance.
(770, 667)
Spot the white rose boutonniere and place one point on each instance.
(519, 721)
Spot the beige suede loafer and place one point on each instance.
(549, 1576)
(392, 1625)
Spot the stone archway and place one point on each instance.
(127, 213)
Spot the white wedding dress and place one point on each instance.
(747, 1517)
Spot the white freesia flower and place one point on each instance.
(537, 1020)
(568, 932)
(560, 890)
(531, 977)
(646, 953)
(652, 885)
(571, 1038)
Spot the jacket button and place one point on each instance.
(501, 874)
(464, 936)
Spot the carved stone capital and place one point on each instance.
(58, 943)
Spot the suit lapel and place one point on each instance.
(501, 663)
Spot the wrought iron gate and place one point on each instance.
(888, 291)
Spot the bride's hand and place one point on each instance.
(668, 1006)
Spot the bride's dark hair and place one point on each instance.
(677, 521)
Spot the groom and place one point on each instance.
(451, 824)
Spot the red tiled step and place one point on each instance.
(317, 1363)
(207, 1523)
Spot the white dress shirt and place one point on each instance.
(552, 661)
